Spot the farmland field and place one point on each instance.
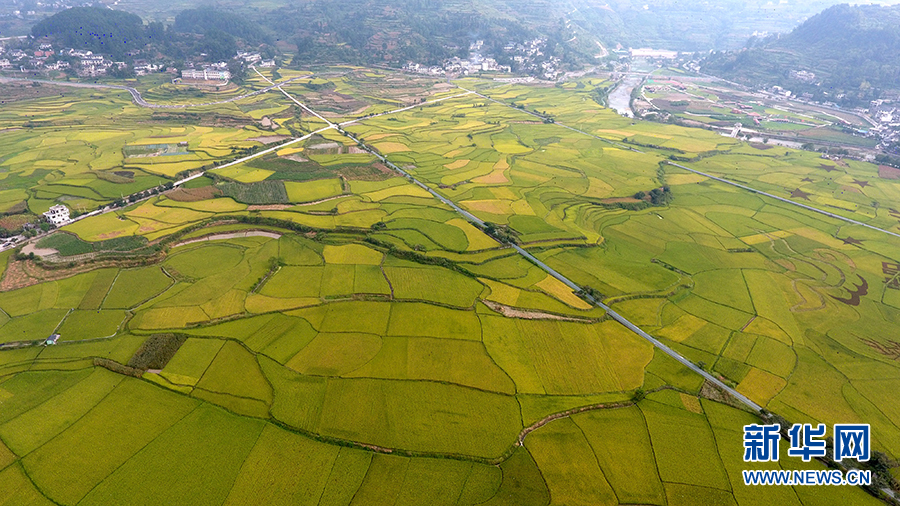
(344, 337)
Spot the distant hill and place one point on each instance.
(689, 26)
(852, 50)
(665, 24)
(429, 30)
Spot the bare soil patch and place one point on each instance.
(324, 146)
(375, 172)
(886, 172)
(620, 200)
(25, 273)
(269, 207)
(528, 314)
(15, 221)
(269, 139)
(41, 252)
(193, 194)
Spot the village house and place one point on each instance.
(143, 67)
(206, 74)
(58, 215)
(249, 57)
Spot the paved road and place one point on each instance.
(289, 96)
(468, 216)
(108, 209)
(788, 201)
(634, 328)
(613, 314)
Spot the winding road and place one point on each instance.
(139, 100)
(549, 270)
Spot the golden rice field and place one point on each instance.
(311, 307)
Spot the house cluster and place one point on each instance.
(418, 68)
(781, 93)
(5, 64)
(254, 59)
(13, 59)
(475, 63)
(530, 48)
(458, 66)
(47, 58)
(530, 56)
(143, 67)
(90, 64)
(803, 76)
(887, 116)
(18, 59)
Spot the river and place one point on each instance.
(620, 98)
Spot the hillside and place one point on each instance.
(206, 19)
(850, 49)
(381, 31)
(100, 30)
(689, 26)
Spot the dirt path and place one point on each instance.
(748, 323)
(525, 314)
(25, 273)
(314, 202)
(231, 235)
(565, 414)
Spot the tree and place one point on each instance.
(218, 45)
(238, 72)
(100, 30)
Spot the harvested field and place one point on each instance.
(193, 194)
(887, 172)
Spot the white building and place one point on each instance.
(58, 215)
(206, 74)
(646, 52)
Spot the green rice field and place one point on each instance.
(343, 337)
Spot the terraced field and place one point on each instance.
(325, 331)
